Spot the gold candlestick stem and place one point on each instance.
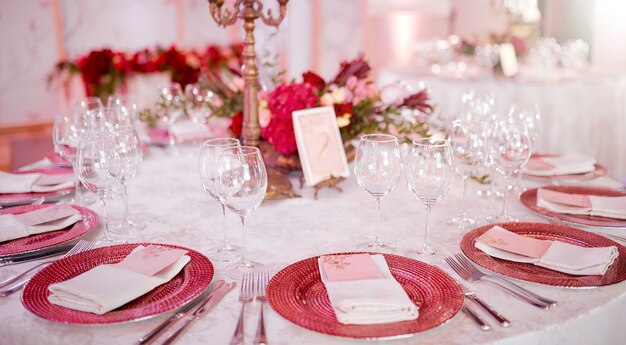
(249, 11)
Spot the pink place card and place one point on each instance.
(578, 200)
(46, 215)
(350, 267)
(51, 180)
(503, 239)
(151, 259)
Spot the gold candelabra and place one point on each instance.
(249, 11)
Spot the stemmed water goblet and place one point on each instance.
(130, 156)
(378, 167)
(511, 148)
(65, 136)
(99, 169)
(124, 109)
(429, 174)
(196, 103)
(172, 103)
(209, 176)
(468, 144)
(529, 115)
(242, 186)
(86, 113)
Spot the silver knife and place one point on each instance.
(200, 311)
(21, 258)
(503, 321)
(152, 335)
(472, 315)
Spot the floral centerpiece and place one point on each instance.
(103, 71)
(359, 105)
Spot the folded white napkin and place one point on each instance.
(602, 206)
(28, 183)
(11, 228)
(370, 301)
(186, 131)
(107, 287)
(570, 163)
(559, 256)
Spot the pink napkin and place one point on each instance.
(571, 163)
(581, 204)
(362, 290)
(558, 256)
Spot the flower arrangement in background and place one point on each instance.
(359, 105)
(104, 71)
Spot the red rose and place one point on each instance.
(280, 134)
(343, 109)
(314, 80)
(237, 124)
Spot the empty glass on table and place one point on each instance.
(242, 187)
(511, 148)
(99, 169)
(378, 167)
(528, 114)
(209, 177)
(468, 144)
(429, 174)
(171, 103)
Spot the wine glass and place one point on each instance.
(429, 174)
(124, 109)
(468, 147)
(86, 112)
(511, 148)
(65, 135)
(131, 155)
(99, 168)
(172, 103)
(529, 115)
(196, 103)
(378, 167)
(242, 184)
(209, 176)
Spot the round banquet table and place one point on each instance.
(584, 112)
(168, 197)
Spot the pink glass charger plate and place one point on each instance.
(535, 274)
(48, 239)
(298, 294)
(182, 289)
(9, 198)
(597, 172)
(529, 199)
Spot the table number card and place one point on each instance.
(319, 144)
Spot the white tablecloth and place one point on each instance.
(168, 197)
(585, 114)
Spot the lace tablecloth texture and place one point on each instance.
(168, 197)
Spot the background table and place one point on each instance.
(168, 197)
(585, 113)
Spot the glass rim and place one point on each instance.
(241, 150)
(384, 137)
(431, 141)
(226, 142)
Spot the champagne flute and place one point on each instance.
(429, 174)
(242, 185)
(209, 177)
(131, 155)
(511, 148)
(468, 147)
(378, 167)
(99, 169)
(529, 115)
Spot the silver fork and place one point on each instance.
(262, 278)
(246, 294)
(474, 274)
(80, 246)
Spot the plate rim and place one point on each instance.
(198, 294)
